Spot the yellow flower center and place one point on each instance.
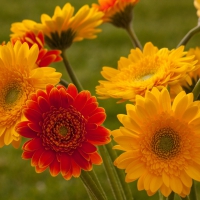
(165, 143)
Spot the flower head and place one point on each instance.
(190, 81)
(64, 28)
(19, 77)
(117, 12)
(25, 32)
(197, 6)
(142, 71)
(161, 142)
(63, 126)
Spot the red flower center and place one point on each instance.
(63, 129)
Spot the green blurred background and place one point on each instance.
(163, 22)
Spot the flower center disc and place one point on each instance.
(12, 95)
(63, 129)
(165, 143)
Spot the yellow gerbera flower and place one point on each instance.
(161, 142)
(117, 12)
(197, 6)
(192, 78)
(64, 28)
(19, 78)
(142, 71)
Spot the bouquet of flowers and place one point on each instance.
(60, 126)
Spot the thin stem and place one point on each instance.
(71, 73)
(64, 82)
(193, 192)
(110, 172)
(96, 180)
(91, 186)
(189, 35)
(133, 36)
(120, 173)
(161, 197)
(185, 198)
(196, 90)
(171, 196)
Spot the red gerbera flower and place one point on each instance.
(45, 56)
(64, 127)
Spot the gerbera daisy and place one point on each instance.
(19, 77)
(64, 28)
(192, 78)
(25, 32)
(117, 12)
(197, 6)
(142, 71)
(161, 142)
(64, 127)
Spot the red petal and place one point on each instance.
(85, 155)
(66, 99)
(36, 157)
(41, 93)
(97, 118)
(91, 126)
(40, 170)
(99, 136)
(88, 147)
(89, 108)
(54, 168)
(49, 87)
(80, 100)
(65, 164)
(72, 90)
(32, 105)
(81, 161)
(33, 144)
(54, 98)
(96, 158)
(27, 154)
(25, 131)
(33, 115)
(43, 104)
(76, 170)
(35, 127)
(46, 60)
(46, 158)
(69, 174)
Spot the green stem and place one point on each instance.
(91, 186)
(96, 180)
(160, 195)
(171, 196)
(120, 173)
(189, 35)
(133, 36)
(71, 73)
(64, 82)
(110, 172)
(193, 192)
(196, 90)
(185, 198)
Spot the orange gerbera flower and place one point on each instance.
(25, 32)
(117, 12)
(161, 142)
(64, 127)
